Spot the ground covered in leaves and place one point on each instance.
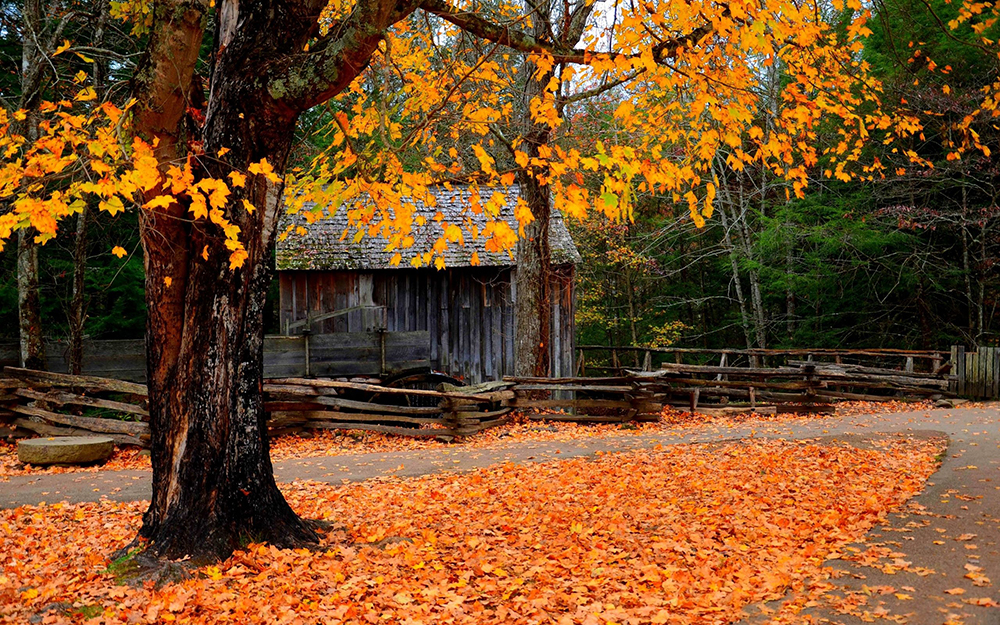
(682, 534)
(339, 442)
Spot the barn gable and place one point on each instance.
(329, 243)
(367, 316)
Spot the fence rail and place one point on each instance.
(617, 359)
(58, 404)
(52, 403)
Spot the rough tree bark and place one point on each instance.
(28, 303)
(213, 484)
(534, 259)
(34, 69)
(77, 316)
(78, 302)
(534, 262)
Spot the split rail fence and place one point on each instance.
(57, 404)
(53, 404)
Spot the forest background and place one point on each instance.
(907, 262)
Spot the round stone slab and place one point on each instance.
(65, 450)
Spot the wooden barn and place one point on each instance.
(366, 316)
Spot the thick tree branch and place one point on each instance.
(304, 80)
(519, 40)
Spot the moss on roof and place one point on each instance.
(324, 246)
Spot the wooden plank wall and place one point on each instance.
(468, 312)
(118, 359)
(333, 355)
(977, 373)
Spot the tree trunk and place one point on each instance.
(78, 302)
(34, 69)
(756, 301)
(967, 267)
(213, 484)
(737, 284)
(789, 292)
(534, 274)
(28, 303)
(534, 263)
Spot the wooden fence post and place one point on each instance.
(305, 343)
(960, 362)
(953, 361)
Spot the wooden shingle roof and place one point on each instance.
(324, 247)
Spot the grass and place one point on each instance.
(124, 565)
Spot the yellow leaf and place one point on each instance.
(453, 233)
(264, 168)
(118, 251)
(238, 179)
(235, 262)
(168, 280)
(65, 46)
(250, 207)
(112, 205)
(86, 95)
(204, 253)
(160, 201)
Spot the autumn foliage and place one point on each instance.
(685, 534)
(682, 99)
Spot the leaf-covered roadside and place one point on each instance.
(673, 422)
(686, 534)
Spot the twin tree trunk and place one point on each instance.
(213, 484)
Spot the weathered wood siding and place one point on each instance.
(330, 355)
(977, 374)
(468, 313)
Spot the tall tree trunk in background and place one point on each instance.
(34, 69)
(533, 312)
(727, 240)
(28, 303)
(213, 484)
(984, 261)
(78, 302)
(967, 267)
(77, 316)
(533, 309)
(789, 292)
(756, 301)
